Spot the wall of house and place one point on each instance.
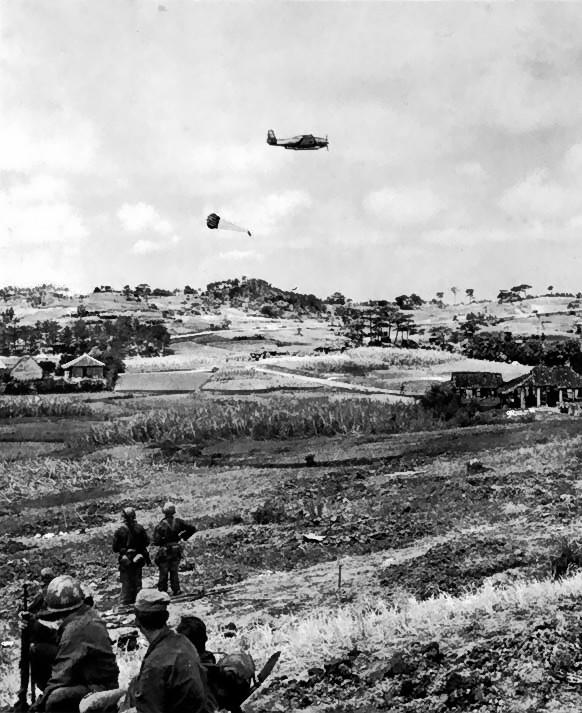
(85, 372)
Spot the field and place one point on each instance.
(443, 573)
(340, 518)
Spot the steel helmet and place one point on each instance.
(63, 595)
(169, 509)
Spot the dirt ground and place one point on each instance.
(398, 516)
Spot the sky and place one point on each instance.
(455, 144)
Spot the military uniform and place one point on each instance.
(171, 678)
(42, 641)
(85, 660)
(167, 536)
(131, 541)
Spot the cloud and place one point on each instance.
(534, 231)
(263, 215)
(452, 237)
(240, 255)
(38, 212)
(28, 145)
(537, 195)
(142, 216)
(403, 206)
(572, 161)
(472, 169)
(144, 247)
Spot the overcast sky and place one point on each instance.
(455, 135)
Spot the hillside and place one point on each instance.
(444, 573)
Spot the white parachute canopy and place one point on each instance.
(215, 222)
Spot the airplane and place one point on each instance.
(304, 142)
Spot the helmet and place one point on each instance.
(169, 509)
(63, 595)
(128, 513)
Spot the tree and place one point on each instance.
(382, 318)
(550, 288)
(409, 301)
(470, 293)
(336, 299)
(508, 296)
(440, 295)
(454, 290)
(404, 324)
(519, 289)
(8, 315)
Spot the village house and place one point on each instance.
(22, 368)
(84, 367)
(476, 384)
(543, 386)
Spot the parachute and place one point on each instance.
(216, 222)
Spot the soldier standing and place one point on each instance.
(130, 542)
(168, 535)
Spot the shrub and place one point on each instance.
(268, 513)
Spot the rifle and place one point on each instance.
(22, 703)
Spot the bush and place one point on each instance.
(268, 513)
(52, 386)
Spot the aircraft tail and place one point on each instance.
(271, 138)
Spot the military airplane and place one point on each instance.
(304, 142)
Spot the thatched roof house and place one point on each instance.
(23, 368)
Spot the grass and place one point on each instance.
(37, 477)
(280, 417)
(367, 358)
(374, 627)
(200, 358)
(39, 406)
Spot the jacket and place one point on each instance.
(85, 655)
(135, 538)
(38, 633)
(169, 533)
(171, 678)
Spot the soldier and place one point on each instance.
(41, 640)
(167, 536)
(231, 679)
(131, 542)
(85, 661)
(194, 629)
(171, 678)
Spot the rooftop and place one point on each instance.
(476, 379)
(81, 361)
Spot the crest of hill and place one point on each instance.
(260, 295)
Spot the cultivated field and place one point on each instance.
(444, 574)
(292, 467)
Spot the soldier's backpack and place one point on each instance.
(232, 680)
